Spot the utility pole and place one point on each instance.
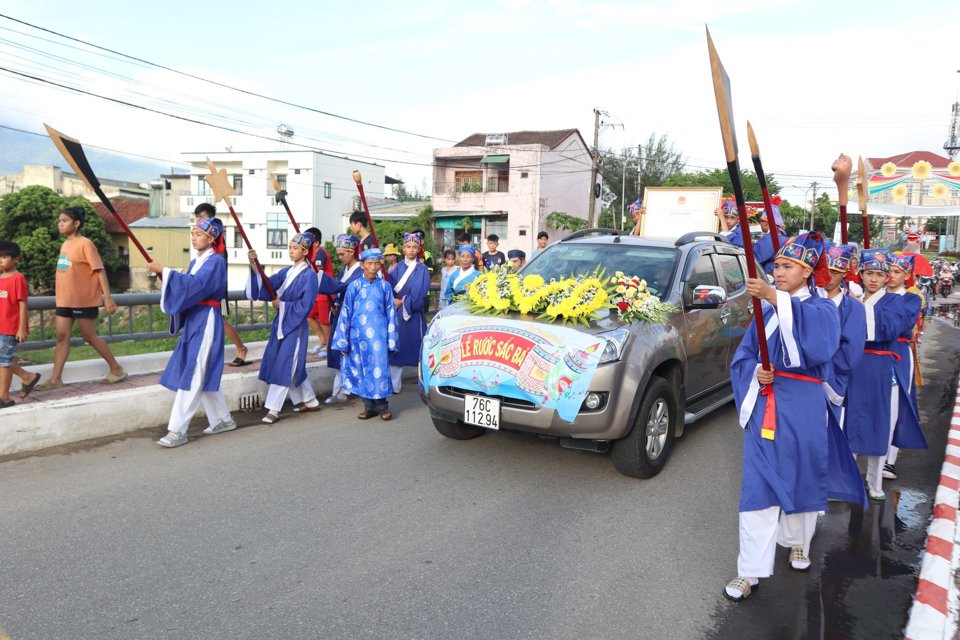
(595, 164)
(813, 206)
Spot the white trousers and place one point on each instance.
(338, 386)
(301, 393)
(396, 375)
(875, 463)
(187, 401)
(760, 533)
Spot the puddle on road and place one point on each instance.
(948, 311)
(908, 508)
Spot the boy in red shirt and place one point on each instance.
(13, 323)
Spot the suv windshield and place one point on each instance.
(653, 264)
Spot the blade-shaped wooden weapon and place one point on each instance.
(366, 211)
(281, 196)
(721, 89)
(863, 192)
(222, 190)
(73, 153)
(841, 175)
(762, 179)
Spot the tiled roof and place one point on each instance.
(549, 138)
(130, 210)
(908, 159)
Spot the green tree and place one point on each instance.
(658, 161)
(721, 178)
(29, 218)
(565, 222)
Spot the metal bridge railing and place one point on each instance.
(132, 323)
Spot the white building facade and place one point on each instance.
(508, 184)
(320, 188)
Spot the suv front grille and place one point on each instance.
(513, 403)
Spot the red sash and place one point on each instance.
(769, 427)
(209, 303)
(903, 339)
(878, 352)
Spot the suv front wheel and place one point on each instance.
(644, 451)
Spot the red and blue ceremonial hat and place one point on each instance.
(874, 260)
(838, 257)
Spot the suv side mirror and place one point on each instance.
(707, 297)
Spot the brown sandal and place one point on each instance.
(364, 415)
(385, 415)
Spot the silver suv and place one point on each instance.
(652, 379)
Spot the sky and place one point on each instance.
(814, 78)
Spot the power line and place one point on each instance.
(222, 85)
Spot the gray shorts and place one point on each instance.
(8, 350)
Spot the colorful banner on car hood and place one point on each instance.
(549, 365)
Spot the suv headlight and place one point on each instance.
(616, 340)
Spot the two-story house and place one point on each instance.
(320, 187)
(508, 183)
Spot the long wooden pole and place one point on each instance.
(721, 87)
(72, 151)
(222, 190)
(358, 179)
(281, 196)
(762, 179)
(863, 195)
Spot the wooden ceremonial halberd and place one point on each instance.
(762, 179)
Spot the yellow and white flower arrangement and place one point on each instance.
(577, 299)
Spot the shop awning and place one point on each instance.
(451, 219)
(501, 159)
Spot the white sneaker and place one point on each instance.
(226, 425)
(316, 350)
(172, 440)
(337, 399)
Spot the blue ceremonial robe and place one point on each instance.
(367, 332)
(803, 465)
(459, 280)
(284, 360)
(853, 332)
(180, 296)
(907, 434)
(338, 288)
(411, 322)
(764, 253)
(735, 237)
(868, 394)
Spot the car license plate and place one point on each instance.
(481, 411)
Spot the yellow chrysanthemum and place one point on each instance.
(954, 168)
(900, 192)
(922, 169)
(533, 282)
(939, 191)
(888, 169)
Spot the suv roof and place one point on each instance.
(612, 236)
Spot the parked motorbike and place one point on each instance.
(945, 285)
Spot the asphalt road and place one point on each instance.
(323, 526)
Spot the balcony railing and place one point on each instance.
(457, 188)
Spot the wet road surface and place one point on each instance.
(325, 527)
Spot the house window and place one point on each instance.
(237, 239)
(498, 226)
(327, 190)
(296, 172)
(238, 184)
(524, 174)
(203, 189)
(282, 181)
(468, 181)
(276, 230)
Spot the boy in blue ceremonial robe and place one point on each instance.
(284, 363)
(346, 246)
(411, 285)
(763, 248)
(787, 472)
(731, 220)
(880, 407)
(366, 334)
(464, 275)
(192, 300)
(902, 283)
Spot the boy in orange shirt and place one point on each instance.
(13, 323)
(80, 282)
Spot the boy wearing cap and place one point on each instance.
(878, 392)
(192, 300)
(542, 239)
(787, 474)
(517, 258)
(901, 283)
(347, 252)
(365, 336)
(462, 277)
(284, 363)
(853, 330)
(411, 284)
(391, 256)
(763, 249)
